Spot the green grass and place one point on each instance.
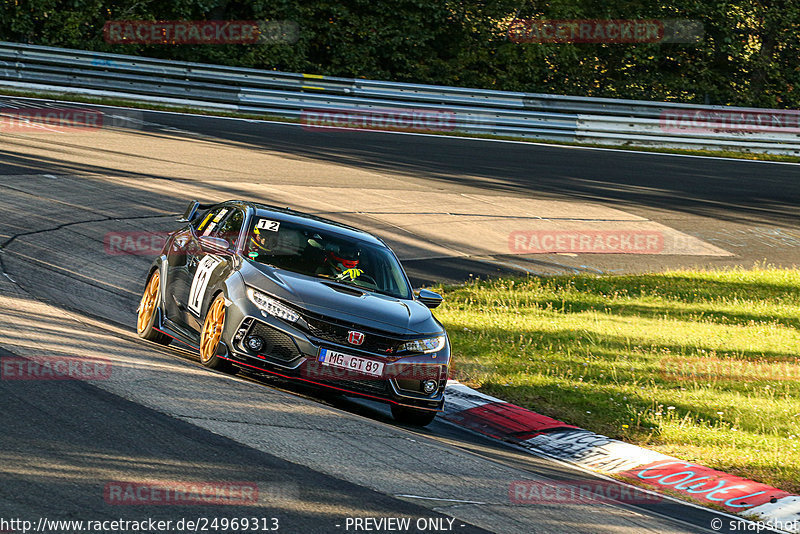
(137, 104)
(701, 365)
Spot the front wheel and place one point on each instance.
(145, 321)
(211, 336)
(411, 416)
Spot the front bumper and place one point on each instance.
(293, 353)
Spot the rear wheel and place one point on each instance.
(411, 416)
(145, 321)
(211, 336)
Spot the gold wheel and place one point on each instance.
(148, 304)
(212, 330)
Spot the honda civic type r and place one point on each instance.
(278, 291)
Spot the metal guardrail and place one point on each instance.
(541, 116)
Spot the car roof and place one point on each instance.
(309, 220)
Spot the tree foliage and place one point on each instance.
(748, 55)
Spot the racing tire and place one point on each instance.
(210, 336)
(146, 314)
(411, 416)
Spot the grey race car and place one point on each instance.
(281, 292)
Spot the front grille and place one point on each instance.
(343, 378)
(336, 332)
(414, 371)
(276, 344)
(361, 386)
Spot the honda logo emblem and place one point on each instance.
(355, 338)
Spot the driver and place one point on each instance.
(260, 243)
(342, 263)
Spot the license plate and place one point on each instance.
(348, 361)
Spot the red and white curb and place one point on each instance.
(505, 421)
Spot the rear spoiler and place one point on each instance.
(192, 210)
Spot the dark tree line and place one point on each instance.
(750, 53)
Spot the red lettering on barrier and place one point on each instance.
(708, 485)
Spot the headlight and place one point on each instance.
(271, 306)
(431, 344)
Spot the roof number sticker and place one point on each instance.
(266, 224)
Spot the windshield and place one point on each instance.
(326, 255)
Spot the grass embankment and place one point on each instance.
(704, 366)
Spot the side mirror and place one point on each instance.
(214, 245)
(428, 298)
(190, 213)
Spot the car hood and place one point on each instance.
(371, 310)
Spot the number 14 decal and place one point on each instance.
(200, 282)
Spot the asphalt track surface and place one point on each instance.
(316, 459)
